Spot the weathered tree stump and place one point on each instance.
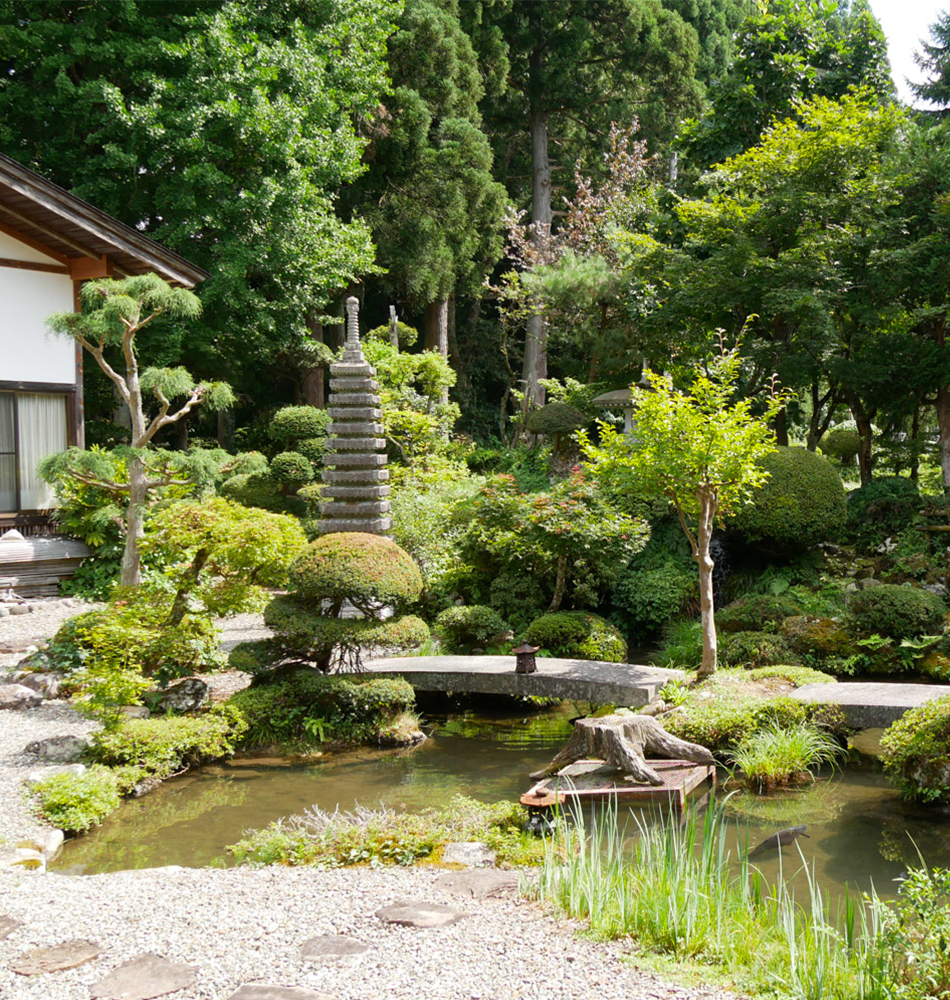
(622, 741)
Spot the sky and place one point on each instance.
(905, 23)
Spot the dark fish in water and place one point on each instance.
(780, 839)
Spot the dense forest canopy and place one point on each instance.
(722, 163)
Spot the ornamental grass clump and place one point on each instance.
(784, 755)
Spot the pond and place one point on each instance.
(859, 830)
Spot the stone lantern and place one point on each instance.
(524, 658)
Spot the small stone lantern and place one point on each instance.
(524, 659)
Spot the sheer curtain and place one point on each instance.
(7, 453)
(42, 431)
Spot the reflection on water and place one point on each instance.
(859, 832)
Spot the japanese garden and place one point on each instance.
(474, 500)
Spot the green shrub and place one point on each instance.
(651, 597)
(165, 745)
(365, 569)
(261, 490)
(518, 598)
(290, 468)
(817, 639)
(461, 628)
(753, 649)
(881, 509)
(896, 612)
(312, 449)
(77, 802)
(296, 423)
(345, 708)
(802, 502)
(842, 443)
(578, 635)
(915, 752)
(756, 613)
(555, 420)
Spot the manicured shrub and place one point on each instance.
(896, 612)
(753, 649)
(881, 509)
(165, 745)
(843, 444)
(261, 490)
(461, 628)
(77, 802)
(365, 569)
(649, 598)
(308, 708)
(312, 449)
(555, 420)
(291, 468)
(577, 635)
(817, 638)
(756, 613)
(802, 502)
(916, 753)
(295, 423)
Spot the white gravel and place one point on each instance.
(247, 925)
(19, 631)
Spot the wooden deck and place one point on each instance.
(590, 780)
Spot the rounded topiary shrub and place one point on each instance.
(756, 613)
(366, 570)
(897, 612)
(295, 423)
(802, 502)
(462, 628)
(754, 649)
(577, 635)
(312, 449)
(555, 419)
(842, 443)
(290, 468)
(915, 752)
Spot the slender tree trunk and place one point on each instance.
(781, 428)
(535, 365)
(943, 415)
(862, 420)
(561, 585)
(189, 580)
(707, 520)
(226, 429)
(312, 386)
(915, 445)
(130, 574)
(437, 327)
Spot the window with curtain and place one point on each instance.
(32, 426)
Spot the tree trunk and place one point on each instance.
(226, 429)
(437, 327)
(781, 428)
(189, 580)
(561, 584)
(707, 519)
(130, 574)
(915, 445)
(943, 416)
(312, 384)
(535, 366)
(622, 741)
(862, 420)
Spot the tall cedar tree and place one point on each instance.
(934, 60)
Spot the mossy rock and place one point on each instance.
(822, 638)
(578, 635)
(365, 569)
(936, 664)
(754, 649)
(756, 613)
(915, 753)
(803, 502)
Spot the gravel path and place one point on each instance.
(247, 925)
(19, 631)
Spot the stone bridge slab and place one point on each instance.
(571, 680)
(869, 704)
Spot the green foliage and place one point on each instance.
(881, 509)
(384, 836)
(77, 802)
(897, 612)
(350, 708)
(801, 503)
(292, 469)
(165, 745)
(682, 644)
(650, 598)
(556, 419)
(461, 628)
(756, 613)
(292, 424)
(754, 649)
(842, 443)
(518, 598)
(777, 755)
(819, 640)
(796, 675)
(577, 635)
(367, 570)
(914, 752)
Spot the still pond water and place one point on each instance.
(859, 831)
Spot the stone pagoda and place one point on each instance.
(354, 470)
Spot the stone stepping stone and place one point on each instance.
(412, 914)
(479, 883)
(471, 853)
(143, 978)
(332, 948)
(255, 991)
(68, 955)
(7, 926)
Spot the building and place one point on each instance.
(50, 242)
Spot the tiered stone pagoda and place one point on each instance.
(355, 460)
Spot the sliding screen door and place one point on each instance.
(41, 431)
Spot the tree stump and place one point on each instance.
(622, 741)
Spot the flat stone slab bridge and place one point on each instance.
(624, 684)
(869, 704)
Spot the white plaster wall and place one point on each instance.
(28, 351)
